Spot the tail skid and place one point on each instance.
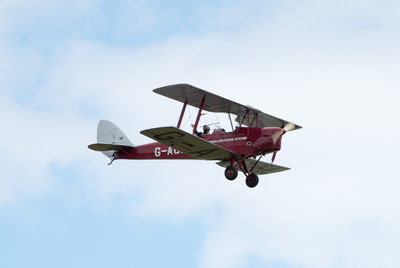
(110, 139)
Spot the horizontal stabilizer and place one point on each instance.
(102, 147)
(260, 169)
(188, 144)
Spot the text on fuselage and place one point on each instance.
(169, 151)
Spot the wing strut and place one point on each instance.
(241, 122)
(255, 164)
(182, 113)
(230, 120)
(199, 114)
(255, 117)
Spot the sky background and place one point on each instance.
(329, 66)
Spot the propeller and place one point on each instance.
(277, 135)
(286, 128)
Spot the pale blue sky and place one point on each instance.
(330, 66)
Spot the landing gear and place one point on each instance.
(231, 173)
(252, 180)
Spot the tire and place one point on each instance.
(231, 173)
(252, 180)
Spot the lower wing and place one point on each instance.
(260, 169)
(189, 144)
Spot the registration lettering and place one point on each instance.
(169, 151)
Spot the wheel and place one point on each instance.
(231, 173)
(252, 180)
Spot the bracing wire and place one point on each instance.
(188, 118)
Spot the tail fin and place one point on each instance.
(110, 139)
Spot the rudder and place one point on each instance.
(110, 139)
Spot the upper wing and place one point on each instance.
(217, 104)
(188, 143)
(260, 169)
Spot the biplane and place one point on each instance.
(255, 134)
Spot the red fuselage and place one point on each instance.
(244, 141)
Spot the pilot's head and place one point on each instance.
(206, 129)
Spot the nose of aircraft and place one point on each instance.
(270, 138)
(266, 138)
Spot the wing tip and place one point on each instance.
(160, 89)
